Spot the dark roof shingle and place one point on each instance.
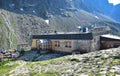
(81, 36)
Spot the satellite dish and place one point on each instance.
(79, 27)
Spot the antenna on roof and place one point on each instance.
(79, 28)
(55, 32)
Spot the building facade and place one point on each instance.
(70, 42)
(62, 42)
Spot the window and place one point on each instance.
(57, 43)
(68, 44)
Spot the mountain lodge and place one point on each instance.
(87, 41)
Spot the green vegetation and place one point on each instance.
(49, 74)
(6, 35)
(43, 74)
(27, 48)
(7, 61)
(13, 25)
(14, 37)
(14, 41)
(98, 74)
(3, 34)
(4, 69)
(115, 62)
(110, 73)
(68, 14)
(33, 74)
(22, 52)
(1, 21)
(91, 74)
(89, 64)
(75, 60)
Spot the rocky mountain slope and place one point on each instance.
(22, 18)
(101, 6)
(99, 63)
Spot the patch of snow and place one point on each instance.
(12, 5)
(96, 17)
(79, 27)
(34, 11)
(87, 30)
(47, 21)
(21, 9)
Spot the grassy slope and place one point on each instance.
(4, 40)
(94, 63)
(3, 32)
(4, 69)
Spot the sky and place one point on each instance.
(115, 2)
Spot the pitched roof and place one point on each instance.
(81, 36)
(109, 37)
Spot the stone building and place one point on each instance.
(70, 42)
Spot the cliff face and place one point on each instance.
(21, 18)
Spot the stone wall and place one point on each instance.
(89, 45)
(95, 43)
(84, 45)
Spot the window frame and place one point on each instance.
(68, 44)
(57, 43)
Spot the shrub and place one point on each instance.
(74, 59)
(22, 52)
